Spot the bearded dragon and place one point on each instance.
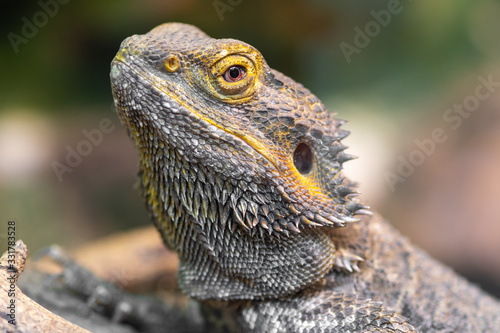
(240, 168)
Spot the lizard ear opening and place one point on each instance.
(303, 158)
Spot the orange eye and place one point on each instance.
(235, 73)
(233, 77)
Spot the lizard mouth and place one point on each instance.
(248, 140)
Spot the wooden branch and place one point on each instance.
(136, 261)
(19, 313)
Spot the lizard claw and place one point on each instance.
(346, 261)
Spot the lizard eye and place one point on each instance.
(303, 158)
(235, 73)
(233, 77)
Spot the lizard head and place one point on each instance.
(226, 142)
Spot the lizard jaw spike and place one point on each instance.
(350, 219)
(357, 208)
(342, 134)
(305, 220)
(338, 148)
(293, 228)
(322, 220)
(239, 219)
(335, 220)
(344, 191)
(364, 212)
(341, 122)
(293, 209)
(343, 157)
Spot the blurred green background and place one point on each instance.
(55, 84)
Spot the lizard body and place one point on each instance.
(240, 168)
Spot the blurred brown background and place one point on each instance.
(415, 61)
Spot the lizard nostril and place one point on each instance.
(303, 158)
(172, 63)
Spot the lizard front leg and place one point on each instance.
(350, 243)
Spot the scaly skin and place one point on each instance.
(257, 232)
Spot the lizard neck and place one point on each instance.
(198, 212)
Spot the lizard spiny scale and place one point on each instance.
(292, 275)
(344, 191)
